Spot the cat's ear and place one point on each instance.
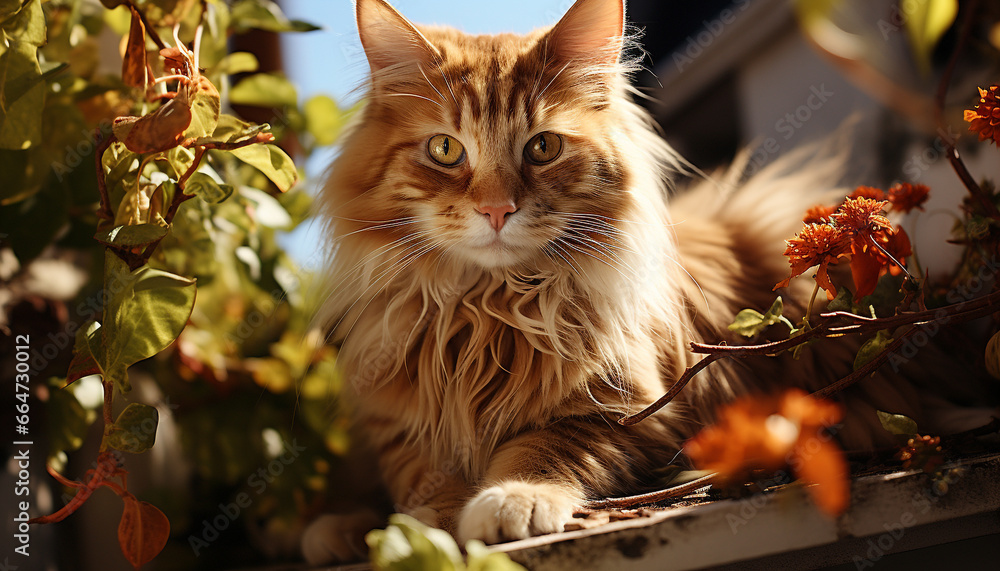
(390, 39)
(591, 32)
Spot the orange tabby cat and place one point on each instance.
(508, 279)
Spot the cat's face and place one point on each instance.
(498, 150)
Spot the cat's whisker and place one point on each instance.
(551, 81)
(615, 240)
(448, 85)
(363, 221)
(562, 253)
(604, 248)
(609, 218)
(403, 262)
(383, 226)
(581, 248)
(405, 241)
(421, 68)
(412, 95)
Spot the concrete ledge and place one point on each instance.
(889, 513)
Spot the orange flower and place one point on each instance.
(985, 119)
(819, 214)
(862, 216)
(816, 245)
(867, 192)
(904, 196)
(769, 433)
(869, 263)
(869, 229)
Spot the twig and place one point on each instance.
(103, 143)
(674, 390)
(867, 369)
(984, 200)
(652, 497)
(833, 324)
(149, 26)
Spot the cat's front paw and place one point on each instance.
(516, 510)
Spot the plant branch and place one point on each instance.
(833, 324)
(674, 390)
(652, 497)
(868, 368)
(984, 200)
(149, 26)
(103, 143)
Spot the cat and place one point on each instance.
(511, 274)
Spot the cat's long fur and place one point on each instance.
(489, 380)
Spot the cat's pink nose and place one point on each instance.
(498, 214)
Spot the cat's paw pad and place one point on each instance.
(516, 510)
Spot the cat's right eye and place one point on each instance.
(445, 150)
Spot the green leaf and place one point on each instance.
(31, 224)
(135, 429)
(264, 90)
(204, 114)
(83, 362)
(148, 309)
(843, 302)
(232, 130)
(925, 22)
(872, 348)
(265, 15)
(897, 423)
(272, 161)
(480, 558)
(131, 236)
(67, 420)
(22, 97)
(408, 544)
(237, 62)
(324, 120)
(27, 23)
(750, 322)
(204, 186)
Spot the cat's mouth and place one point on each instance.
(498, 250)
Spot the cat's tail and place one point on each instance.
(730, 228)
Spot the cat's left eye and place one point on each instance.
(543, 148)
(446, 150)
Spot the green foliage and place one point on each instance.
(897, 424)
(203, 282)
(750, 322)
(265, 90)
(926, 21)
(872, 348)
(135, 429)
(408, 545)
(147, 311)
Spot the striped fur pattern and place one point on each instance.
(488, 367)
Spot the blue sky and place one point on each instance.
(330, 60)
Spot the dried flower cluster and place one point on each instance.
(859, 231)
(770, 433)
(922, 452)
(985, 118)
